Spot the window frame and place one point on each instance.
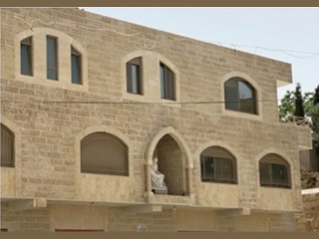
(27, 43)
(220, 159)
(10, 147)
(78, 55)
(138, 63)
(167, 83)
(238, 101)
(267, 168)
(54, 68)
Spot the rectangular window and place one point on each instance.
(215, 169)
(279, 173)
(232, 95)
(26, 56)
(207, 168)
(167, 82)
(52, 58)
(265, 174)
(134, 76)
(274, 175)
(76, 65)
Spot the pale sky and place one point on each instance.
(286, 34)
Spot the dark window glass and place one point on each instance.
(52, 58)
(26, 56)
(207, 168)
(279, 172)
(134, 76)
(240, 96)
(217, 165)
(167, 82)
(102, 153)
(76, 64)
(274, 172)
(7, 147)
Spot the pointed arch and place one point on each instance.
(176, 136)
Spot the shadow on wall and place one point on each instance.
(172, 165)
(309, 160)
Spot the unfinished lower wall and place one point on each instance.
(30, 220)
(86, 217)
(308, 220)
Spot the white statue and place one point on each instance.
(157, 177)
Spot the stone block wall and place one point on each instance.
(49, 118)
(308, 219)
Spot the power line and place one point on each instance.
(161, 36)
(138, 102)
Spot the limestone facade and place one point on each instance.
(46, 190)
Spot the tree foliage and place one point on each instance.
(314, 112)
(309, 179)
(310, 104)
(287, 107)
(299, 109)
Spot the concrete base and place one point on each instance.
(160, 191)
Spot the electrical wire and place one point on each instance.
(135, 102)
(153, 46)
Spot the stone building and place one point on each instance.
(308, 219)
(88, 102)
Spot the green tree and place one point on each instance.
(314, 112)
(287, 112)
(299, 109)
(287, 106)
(310, 102)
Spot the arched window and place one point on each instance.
(274, 172)
(103, 153)
(65, 59)
(218, 165)
(26, 56)
(7, 147)
(134, 76)
(240, 96)
(167, 83)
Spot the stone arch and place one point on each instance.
(176, 136)
(39, 57)
(17, 140)
(16, 171)
(145, 53)
(151, 68)
(252, 82)
(283, 156)
(104, 129)
(274, 151)
(222, 145)
(49, 31)
(216, 143)
(172, 149)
